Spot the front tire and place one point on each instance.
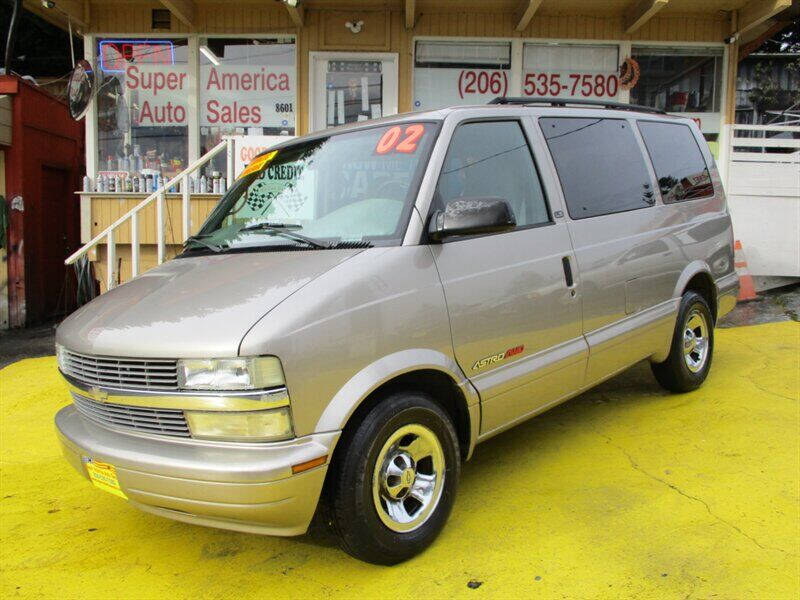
(689, 360)
(393, 482)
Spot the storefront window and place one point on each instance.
(681, 80)
(142, 110)
(452, 73)
(576, 71)
(354, 91)
(247, 87)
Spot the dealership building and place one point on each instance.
(177, 77)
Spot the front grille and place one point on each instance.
(163, 421)
(129, 373)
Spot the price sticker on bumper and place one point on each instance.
(104, 476)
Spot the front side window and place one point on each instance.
(679, 165)
(353, 188)
(492, 159)
(599, 164)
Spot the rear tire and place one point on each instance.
(393, 481)
(692, 349)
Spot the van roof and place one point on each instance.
(540, 104)
(562, 102)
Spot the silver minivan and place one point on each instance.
(368, 303)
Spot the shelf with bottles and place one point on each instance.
(141, 195)
(146, 182)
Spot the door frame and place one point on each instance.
(390, 81)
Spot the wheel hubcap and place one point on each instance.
(695, 340)
(408, 478)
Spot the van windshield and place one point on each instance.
(348, 189)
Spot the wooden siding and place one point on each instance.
(107, 209)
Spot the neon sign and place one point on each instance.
(116, 54)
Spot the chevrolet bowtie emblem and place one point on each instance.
(99, 394)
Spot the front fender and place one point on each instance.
(362, 384)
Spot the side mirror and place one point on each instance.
(471, 216)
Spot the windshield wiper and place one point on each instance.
(284, 230)
(198, 239)
(268, 225)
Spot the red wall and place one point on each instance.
(46, 147)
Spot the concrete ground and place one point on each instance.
(625, 491)
(30, 342)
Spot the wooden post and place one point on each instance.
(111, 261)
(186, 212)
(134, 244)
(160, 226)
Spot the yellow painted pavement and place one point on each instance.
(625, 491)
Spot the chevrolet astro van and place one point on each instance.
(368, 303)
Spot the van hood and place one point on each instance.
(193, 307)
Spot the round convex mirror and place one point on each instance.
(80, 89)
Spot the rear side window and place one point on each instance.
(492, 159)
(600, 165)
(679, 165)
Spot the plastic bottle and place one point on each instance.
(99, 185)
(87, 183)
(223, 185)
(203, 184)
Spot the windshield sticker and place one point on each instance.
(280, 191)
(395, 138)
(259, 163)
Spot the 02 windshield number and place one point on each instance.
(390, 140)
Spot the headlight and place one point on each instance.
(252, 426)
(253, 373)
(61, 356)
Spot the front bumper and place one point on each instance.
(240, 486)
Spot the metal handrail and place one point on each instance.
(133, 215)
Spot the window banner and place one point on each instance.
(156, 94)
(247, 95)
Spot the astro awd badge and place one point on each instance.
(479, 364)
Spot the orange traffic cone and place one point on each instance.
(747, 289)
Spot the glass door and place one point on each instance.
(351, 87)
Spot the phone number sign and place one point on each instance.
(436, 87)
(566, 84)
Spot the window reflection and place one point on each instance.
(679, 165)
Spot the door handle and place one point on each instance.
(567, 264)
(567, 271)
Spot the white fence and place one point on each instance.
(760, 165)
